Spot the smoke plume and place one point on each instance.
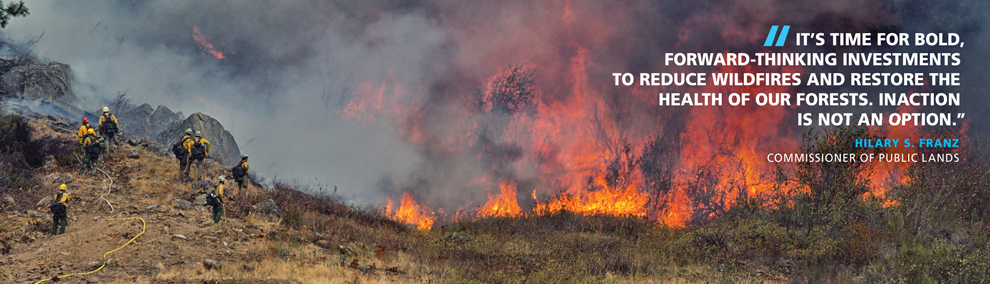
(449, 99)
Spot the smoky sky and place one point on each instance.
(325, 92)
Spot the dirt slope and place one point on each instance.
(177, 240)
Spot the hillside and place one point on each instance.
(246, 245)
(306, 238)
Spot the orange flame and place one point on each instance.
(410, 212)
(608, 201)
(205, 45)
(577, 128)
(503, 204)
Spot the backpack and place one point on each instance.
(57, 208)
(108, 126)
(238, 172)
(178, 150)
(94, 149)
(198, 150)
(212, 199)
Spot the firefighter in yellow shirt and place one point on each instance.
(59, 210)
(198, 149)
(215, 199)
(108, 128)
(240, 172)
(83, 129)
(91, 152)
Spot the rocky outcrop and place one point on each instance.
(223, 148)
(36, 81)
(36, 89)
(143, 121)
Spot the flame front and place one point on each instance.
(502, 205)
(542, 116)
(606, 201)
(205, 45)
(410, 212)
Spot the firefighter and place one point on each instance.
(215, 199)
(59, 210)
(108, 128)
(240, 172)
(83, 129)
(199, 149)
(91, 151)
(180, 150)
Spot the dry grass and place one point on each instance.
(937, 234)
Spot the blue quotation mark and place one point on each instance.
(773, 33)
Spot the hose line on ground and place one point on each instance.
(144, 226)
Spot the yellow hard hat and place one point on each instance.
(90, 131)
(62, 187)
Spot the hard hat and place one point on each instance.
(189, 131)
(221, 179)
(62, 187)
(199, 134)
(85, 120)
(106, 109)
(243, 157)
(90, 131)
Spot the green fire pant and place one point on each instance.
(107, 141)
(89, 164)
(57, 222)
(217, 212)
(182, 163)
(198, 164)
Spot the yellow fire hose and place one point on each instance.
(144, 225)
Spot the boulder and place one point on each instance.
(182, 204)
(37, 81)
(267, 207)
(204, 185)
(223, 148)
(200, 200)
(38, 215)
(179, 237)
(57, 179)
(50, 178)
(44, 201)
(133, 154)
(65, 180)
(94, 264)
(210, 264)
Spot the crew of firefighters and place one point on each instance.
(191, 150)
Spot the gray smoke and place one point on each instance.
(299, 82)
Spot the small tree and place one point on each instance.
(11, 10)
(657, 164)
(512, 92)
(832, 186)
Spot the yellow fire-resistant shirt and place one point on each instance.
(103, 118)
(64, 199)
(82, 130)
(189, 144)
